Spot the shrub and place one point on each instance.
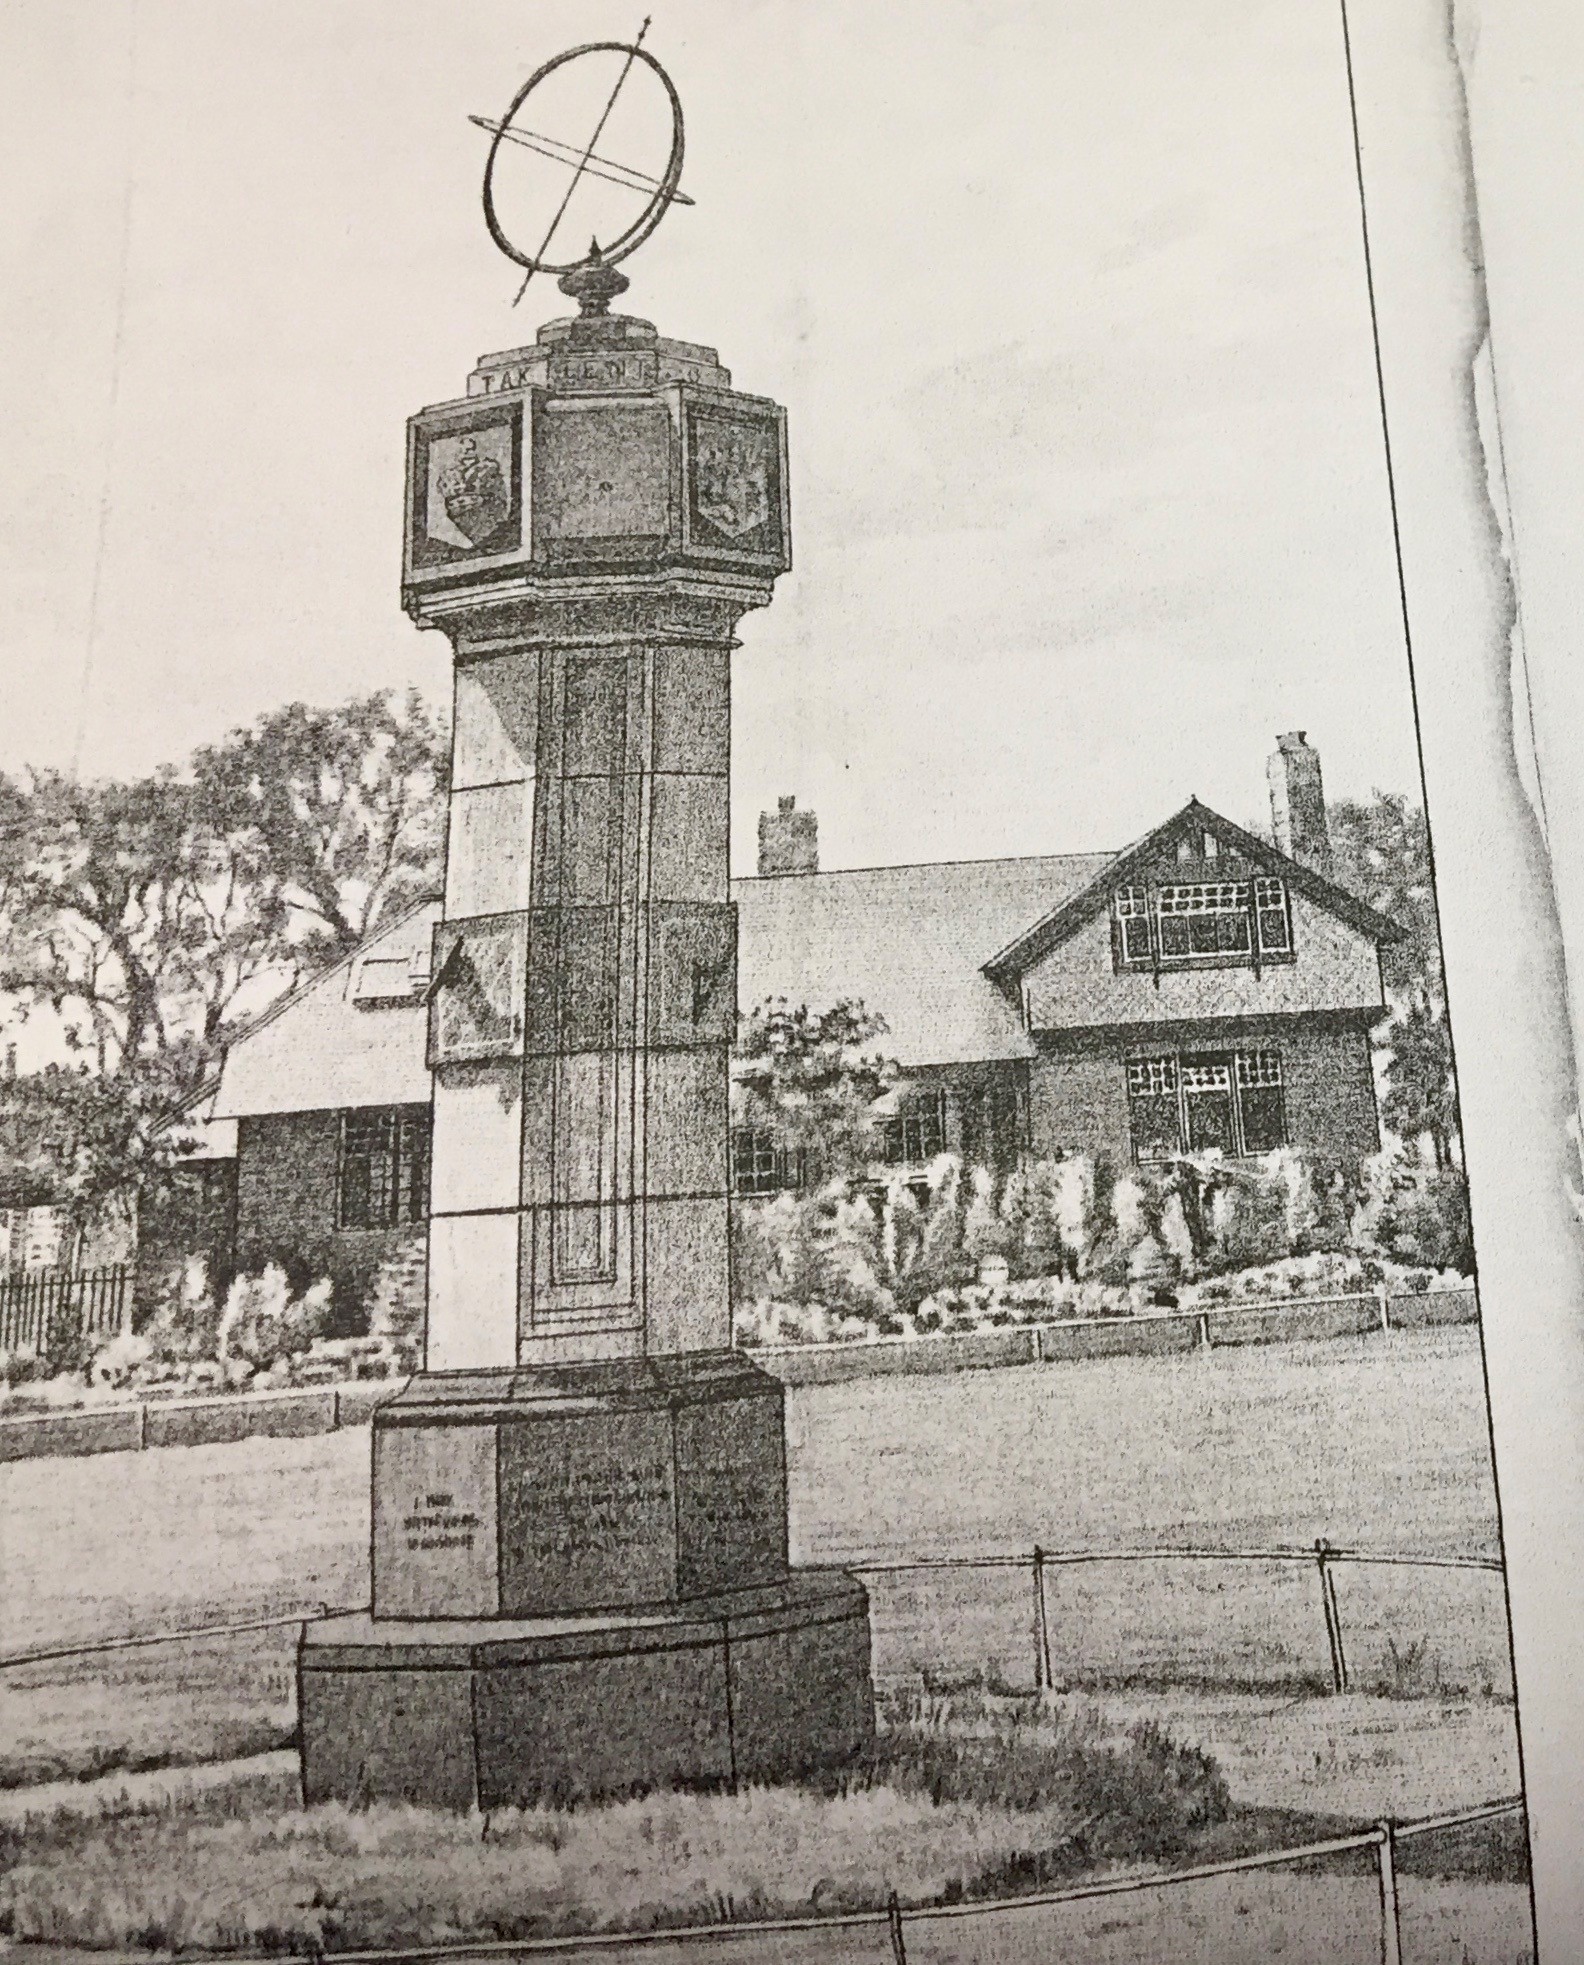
(263, 1325)
(185, 1325)
(1414, 1214)
(117, 1362)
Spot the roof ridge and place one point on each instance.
(922, 866)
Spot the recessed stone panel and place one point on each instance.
(497, 715)
(692, 710)
(731, 1493)
(434, 1522)
(588, 1511)
(687, 1111)
(687, 1272)
(472, 1317)
(488, 849)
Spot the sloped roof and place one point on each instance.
(1037, 938)
(934, 949)
(320, 1048)
(910, 941)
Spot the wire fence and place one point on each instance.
(43, 1309)
(1325, 1617)
(1451, 1886)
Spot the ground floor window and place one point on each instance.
(760, 1166)
(384, 1172)
(1227, 1101)
(916, 1135)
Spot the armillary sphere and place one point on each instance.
(659, 191)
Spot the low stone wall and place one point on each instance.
(1154, 1334)
(321, 1409)
(194, 1422)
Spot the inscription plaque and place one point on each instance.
(434, 1522)
(588, 1512)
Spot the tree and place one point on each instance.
(806, 1078)
(147, 914)
(153, 915)
(342, 810)
(1421, 1100)
(1381, 852)
(87, 1143)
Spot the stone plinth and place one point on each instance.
(572, 1488)
(759, 1684)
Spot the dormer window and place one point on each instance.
(1133, 925)
(1180, 924)
(1210, 917)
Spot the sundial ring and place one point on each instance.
(666, 186)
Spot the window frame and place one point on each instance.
(1259, 1071)
(776, 1170)
(920, 1122)
(1239, 923)
(404, 1174)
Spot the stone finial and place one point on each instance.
(594, 284)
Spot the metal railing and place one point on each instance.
(757, 1939)
(41, 1309)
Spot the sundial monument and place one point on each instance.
(579, 1548)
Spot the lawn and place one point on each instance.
(1378, 1443)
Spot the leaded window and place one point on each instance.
(1153, 1107)
(1270, 905)
(917, 1134)
(1208, 917)
(1236, 921)
(384, 1167)
(760, 1166)
(1231, 1103)
(1133, 924)
(1260, 1103)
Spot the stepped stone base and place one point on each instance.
(765, 1683)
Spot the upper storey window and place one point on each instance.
(1177, 925)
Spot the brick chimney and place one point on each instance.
(788, 840)
(1298, 801)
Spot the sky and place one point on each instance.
(1067, 308)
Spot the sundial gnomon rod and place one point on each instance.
(583, 161)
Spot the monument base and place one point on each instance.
(766, 1683)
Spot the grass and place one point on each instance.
(968, 1796)
(1378, 1442)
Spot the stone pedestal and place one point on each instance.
(580, 1580)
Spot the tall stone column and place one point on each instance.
(580, 1578)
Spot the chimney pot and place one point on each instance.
(788, 840)
(1298, 812)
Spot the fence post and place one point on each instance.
(894, 1926)
(1333, 1617)
(1384, 1300)
(1042, 1658)
(1391, 1928)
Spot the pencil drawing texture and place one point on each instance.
(922, 1410)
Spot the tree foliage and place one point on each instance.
(1381, 852)
(148, 914)
(806, 1077)
(153, 917)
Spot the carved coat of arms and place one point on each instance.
(731, 477)
(474, 492)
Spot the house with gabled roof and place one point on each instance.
(1202, 990)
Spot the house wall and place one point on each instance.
(287, 1165)
(1078, 1099)
(194, 1216)
(1077, 984)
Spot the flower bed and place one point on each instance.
(1056, 1299)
